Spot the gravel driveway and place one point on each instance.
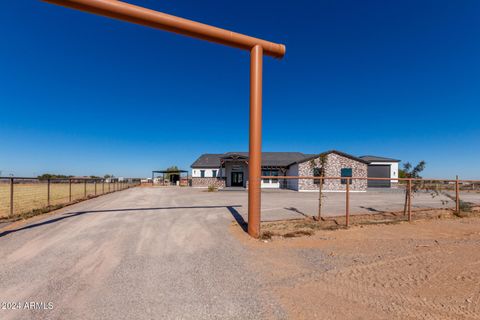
(143, 253)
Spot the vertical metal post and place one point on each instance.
(48, 192)
(347, 203)
(103, 186)
(85, 188)
(255, 147)
(457, 195)
(95, 187)
(11, 196)
(320, 187)
(409, 199)
(69, 190)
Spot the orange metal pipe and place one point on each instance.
(255, 149)
(365, 178)
(347, 203)
(154, 19)
(409, 200)
(457, 195)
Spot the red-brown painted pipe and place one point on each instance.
(146, 17)
(255, 146)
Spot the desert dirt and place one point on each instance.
(421, 270)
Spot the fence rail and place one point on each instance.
(23, 195)
(449, 189)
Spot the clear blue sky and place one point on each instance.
(83, 94)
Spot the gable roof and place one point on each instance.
(208, 160)
(343, 154)
(269, 159)
(378, 159)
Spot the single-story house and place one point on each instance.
(381, 167)
(231, 170)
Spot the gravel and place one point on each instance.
(143, 253)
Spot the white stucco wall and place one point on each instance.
(393, 169)
(208, 172)
(292, 183)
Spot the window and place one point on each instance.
(317, 172)
(202, 173)
(214, 173)
(346, 172)
(270, 173)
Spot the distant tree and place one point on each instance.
(47, 176)
(108, 176)
(169, 170)
(413, 172)
(95, 177)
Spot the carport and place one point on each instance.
(173, 176)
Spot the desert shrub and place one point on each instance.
(212, 188)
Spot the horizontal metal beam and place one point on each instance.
(147, 17)
(364, 178)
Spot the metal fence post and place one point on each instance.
(69, 190)
(95, 187)
(457, 195)
(11, 196)
(347, 203)
(409, 199)
(103, 186)
(320, 186)
(85, 188)
(48, 192)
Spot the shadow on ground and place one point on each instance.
(236, 215)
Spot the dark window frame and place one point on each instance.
(346, 172)
(270, 173)
(317, 172)
(202, 173)
(214, 173)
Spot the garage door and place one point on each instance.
(379, 171)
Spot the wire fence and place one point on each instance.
(23, 196)
(355, 203)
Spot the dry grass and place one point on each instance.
(308, 226)
(30, 197)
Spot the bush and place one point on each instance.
(212, 188)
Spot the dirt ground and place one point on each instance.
(422, 270)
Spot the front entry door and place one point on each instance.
(237, 179)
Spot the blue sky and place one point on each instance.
(83, 94)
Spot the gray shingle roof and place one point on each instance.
(378, 159)
(343, 154)
(273, 159)
(208, 160)
(277, 159)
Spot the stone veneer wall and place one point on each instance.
(333, 164)
(206, 182)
